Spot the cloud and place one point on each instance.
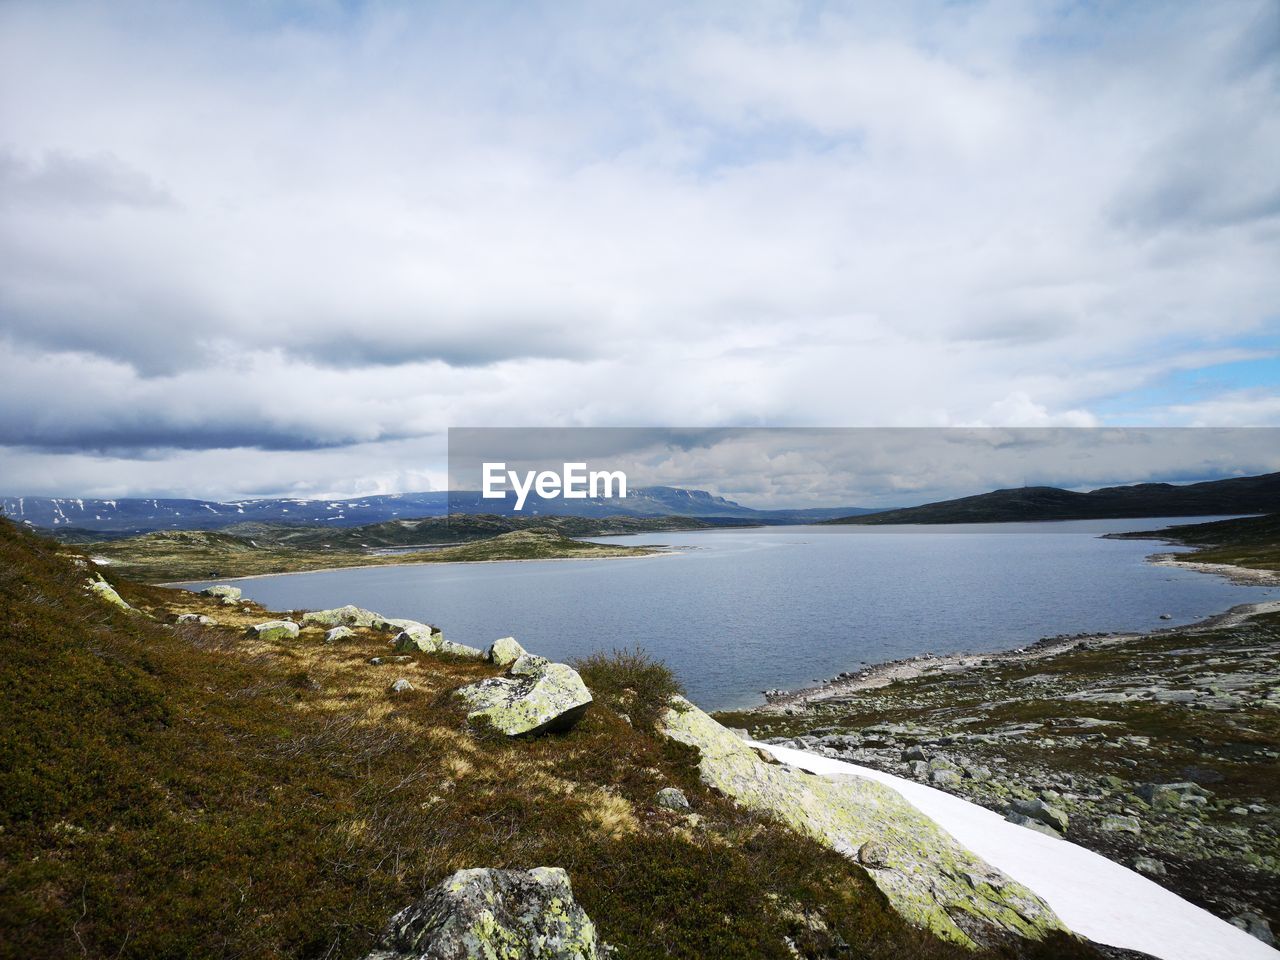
(293, 228)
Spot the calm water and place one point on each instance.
(740, 611)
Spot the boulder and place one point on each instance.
(1152, 868)
(222, 590)
(459, 649)
(927, 876)
(672, 799)
(199, 618)
(1171, 796)
(944, 778)
(1032, 824)
(422, 638)
(504, 652)
(401, 686)
(483, 914)
(396, 624)
(1255, 926)
(338, 633)
(348, 616)
(1115, 823)
(536, 696)
(274, 630)
(107, 592)
(1039, 810)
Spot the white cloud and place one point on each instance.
(222, 228)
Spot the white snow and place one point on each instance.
(1094, 896)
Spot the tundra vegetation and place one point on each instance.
(176, 787)
(177, 555)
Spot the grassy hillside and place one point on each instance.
(1236, 495)
(1243, 542)
(176, 555)
(179, 791)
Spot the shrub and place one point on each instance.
(630, 682)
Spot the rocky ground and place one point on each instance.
(1159, 751)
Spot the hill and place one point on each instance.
(1252, 542)
(1259, 494)
(186, 790)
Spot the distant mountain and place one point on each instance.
(136, 515)
(81, 518)
(1236, 495)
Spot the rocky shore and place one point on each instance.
(1158, 750)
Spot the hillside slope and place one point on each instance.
(187, 791)
(1259, 494)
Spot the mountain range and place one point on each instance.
(130, 515)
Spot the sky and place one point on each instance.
(279, 248)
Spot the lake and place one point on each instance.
(740, 611)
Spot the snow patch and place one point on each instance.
(1094, 896)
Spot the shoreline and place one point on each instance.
(878, 675)
(179, 584)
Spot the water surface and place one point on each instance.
(740, 611)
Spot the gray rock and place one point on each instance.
(944, 778)
(274, 630)
(1172, 796)
(1043, 812)
(107, 592)
(915, 753)
(458, 649)
(1255, 926)
(504, 652)
(1032, 824)
(222, 590)
(1152, 868)
(874, 855)
(348, 616)
(199, 618)
(672, 799)
(338, 633)
(1114, 823)
(485, 914)
(536, 696)
(422, 638)
(401, 686)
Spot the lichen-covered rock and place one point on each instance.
(108, 593)
(673, 799)
(397, 624)
(222, 590)
(928, 877)
(459, 649)
(274, 630)
(338, 633)
(347, 616)
(486, 914)
(421, 637)
(536, 696)
(199, 618)
(505, 651)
